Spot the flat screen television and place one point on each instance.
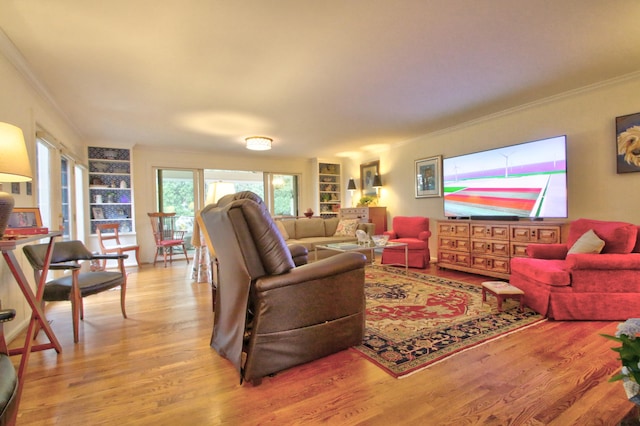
(527, 180)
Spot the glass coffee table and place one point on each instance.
(371, 248)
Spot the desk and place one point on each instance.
(38, 318)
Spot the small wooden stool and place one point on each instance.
(502, 290)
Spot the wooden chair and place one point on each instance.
(67, 256)
(9, 394)
(108, 232)
(166, 237)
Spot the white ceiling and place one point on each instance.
(321, 77)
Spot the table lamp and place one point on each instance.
(14, 167)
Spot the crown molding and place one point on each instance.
(13, 55)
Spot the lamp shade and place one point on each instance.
(14, 167)
(377, 182)
(217, 190)
(351, 186)
(14, 161)
(258, 143)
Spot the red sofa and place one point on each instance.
(579, 286)
(413, 230)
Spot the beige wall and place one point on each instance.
(587, 117)
(146, 159)
(21, 106)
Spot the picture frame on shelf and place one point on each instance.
(25, 217)
(428, 177)
(98, 212)
(627, 143)
(367, 172)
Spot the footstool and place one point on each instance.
(502, 290)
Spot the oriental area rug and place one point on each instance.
(414, 320)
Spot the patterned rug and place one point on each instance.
(414, 320)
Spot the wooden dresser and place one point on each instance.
(376, 215)
(486, 247)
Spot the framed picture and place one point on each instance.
(429, 177)
(98, 213)
(628, 143)
(29, 188)
(25, 217)
(367, 173)
(15, 188)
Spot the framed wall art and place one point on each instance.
(367, 172)
(628, 143)
(98, 213)
(429, 177)
(25, 217)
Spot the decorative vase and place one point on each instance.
(308, 213)
(632, 389)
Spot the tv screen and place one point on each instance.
(524, 180)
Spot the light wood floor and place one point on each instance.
(157, 368)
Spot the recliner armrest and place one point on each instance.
(334, 265)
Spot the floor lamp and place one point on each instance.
(14, 167)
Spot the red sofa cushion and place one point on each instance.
(546, 271)
(619, 237)
(410, 227)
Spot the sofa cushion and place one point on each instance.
(409, 226)
(330, 225)
(313, 227)
(587, 243)
(619, 237)
(545, 271)
(347, 228)
(282, 229)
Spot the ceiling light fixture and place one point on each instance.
(259, 143)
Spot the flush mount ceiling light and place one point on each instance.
(259, 143)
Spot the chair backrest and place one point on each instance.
(248, 246)
(410, 226)
(8, 376)
(63, 251)
(107, 232)
(163, 226)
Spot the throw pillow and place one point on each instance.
(589, 242)
(282, 229)
(347, 228)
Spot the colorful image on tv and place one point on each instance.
(525, 180)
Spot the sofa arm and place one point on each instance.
(369, 228)
(607, 261)
(424, 235)
(547, 251)
(331, 266)
(392, 234)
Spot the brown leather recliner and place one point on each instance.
(278, 314)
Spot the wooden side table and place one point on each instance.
(38, 319)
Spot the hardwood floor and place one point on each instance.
(156, 367)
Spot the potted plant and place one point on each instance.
(629, 351)
(367, 200)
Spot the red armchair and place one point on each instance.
(583, 286)
(415, 232)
